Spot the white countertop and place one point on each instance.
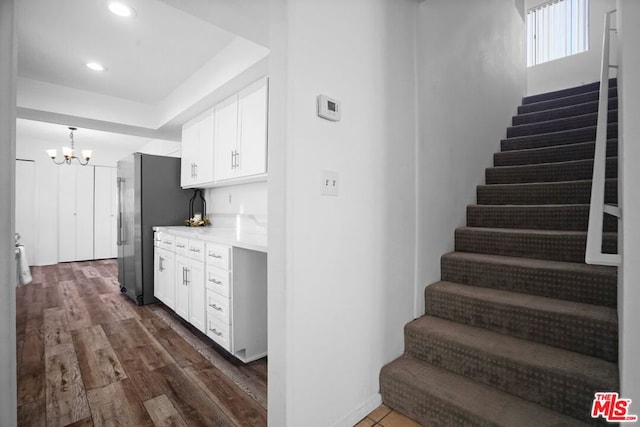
(226, 236)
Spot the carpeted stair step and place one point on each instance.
(584, 328)
(563, 93)
(436, 397)
(556, 125)
(542, 193)
(553, 245)
(542, 217)
(561, 112)
(573, 170)
(571, 281)
(562, 137)
(556, 153)
(565, 101)
(558, 379)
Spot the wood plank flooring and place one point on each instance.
(88, 356)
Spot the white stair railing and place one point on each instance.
(593, 254)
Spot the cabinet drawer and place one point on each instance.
(219, 332)
(196, 250)
(168, 241)
(218, 255)
(181, 244)
(218, 306)
(157, 239)
(218, 281)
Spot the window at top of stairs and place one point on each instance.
(556, 29)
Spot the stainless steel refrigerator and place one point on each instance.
(149, 195)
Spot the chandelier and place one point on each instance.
(70, 153)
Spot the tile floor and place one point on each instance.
(384, 416)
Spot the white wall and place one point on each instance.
(8, 61)
(470, 83)
(576, 69)
(160, 147)
(347, 261)
(629, 136)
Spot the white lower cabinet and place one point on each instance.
(219, 289)
(164, 277)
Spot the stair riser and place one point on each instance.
(556, 138)
(552, 172)
(560, 153)
(559, 125)
(565, 102)
(568, 394)
(576, 192)
(565, 247)
(563, 93)
(570, 218)
(560, 113)
(595, 338)
(587, 287)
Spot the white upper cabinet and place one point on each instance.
(197, 151)
(251, 157)
(226, 136)
(228, 143)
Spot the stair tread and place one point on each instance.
(576, 267)
(531, 302)
(528, 231)
(569, 91)
(568, 119)
(529, 155)
(560, 112)
(519, 351)
(545, 105)
(565, 163)
(560, 137)
(474, 399)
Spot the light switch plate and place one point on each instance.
(329, 183)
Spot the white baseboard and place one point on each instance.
(359, 413)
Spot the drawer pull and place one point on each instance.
(213, 255)
(215, 331)
(179, 245)
(217, 282)
(194, 250)
(167, 242)
(215, 307)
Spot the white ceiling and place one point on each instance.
(164, 65)
(147, 56)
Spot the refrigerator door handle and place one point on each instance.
(121, 236)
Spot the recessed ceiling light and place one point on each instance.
(120, 9)
(95, 66)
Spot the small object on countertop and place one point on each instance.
(197, 219)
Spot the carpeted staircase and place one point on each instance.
(520, 331)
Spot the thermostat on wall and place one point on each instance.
(329, 108)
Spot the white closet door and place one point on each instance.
(66, 213)
(84, 208)
(26, 206)
(104, 195)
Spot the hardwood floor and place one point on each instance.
(88, 356)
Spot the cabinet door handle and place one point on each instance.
(237, 159)
(161, 267)
(195, 168)
(217, 282)
(213, 255)
(187, 281)
(215, 331)
(215, 307)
